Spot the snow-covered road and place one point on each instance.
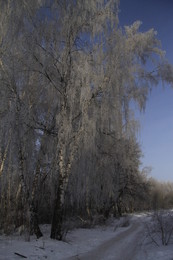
(124, 246)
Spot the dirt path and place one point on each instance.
(123, 246)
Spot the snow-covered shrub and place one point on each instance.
(160, 228)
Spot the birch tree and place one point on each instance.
(68, 76)
(111, 67)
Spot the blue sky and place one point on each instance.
(156, 134)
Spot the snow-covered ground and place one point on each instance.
(106, 242)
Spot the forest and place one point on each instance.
(70, 79)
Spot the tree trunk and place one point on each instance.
(34, 225)
(57, 220)
(119, 208)
(87, 198)
(58, 213)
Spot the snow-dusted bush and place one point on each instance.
(160, 228)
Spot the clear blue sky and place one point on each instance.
(156, 134)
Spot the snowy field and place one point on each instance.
(113, 241)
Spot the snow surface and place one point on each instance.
(80, 243)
